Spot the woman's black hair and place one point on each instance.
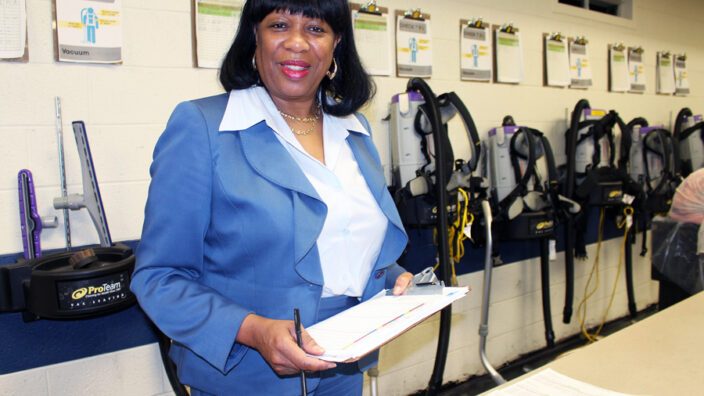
(350, 89)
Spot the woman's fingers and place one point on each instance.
(276, 342)
(402, 283)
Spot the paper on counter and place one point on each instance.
(551, 383)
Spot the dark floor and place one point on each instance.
(478, 384)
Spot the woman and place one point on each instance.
(266, 199)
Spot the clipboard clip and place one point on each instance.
(618, 47)
(637, 50)
(665, 54)
(581, 40)
(476, 23)
(508, 28)
(414, 14)
(682, 57)
(370, 8)
(556, 36)
(423, 283)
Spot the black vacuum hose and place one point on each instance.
(433, 114)
(545, 283)
(571, 149)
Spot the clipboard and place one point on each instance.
(682, 86)
(476, 27)
(610, 80)
(421, 22)
(414, 14)
(579, 83)
(637, 86)
(364, 328)
(25, 52)
(664, 73)
(373, 31)
(506, 28)
(562, 40)
(369, 7)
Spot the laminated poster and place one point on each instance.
(476, 53)
(618, 66)
(666, 74)
(636, 70)
(216, 23)
(681, 79)
(414, 54)
(372, 36)
(89, 31)
(557, 62)
(580, 69)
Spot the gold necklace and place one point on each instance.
(313, 119)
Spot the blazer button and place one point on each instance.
(379, 274)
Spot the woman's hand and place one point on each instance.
(402, 283)
(276, 342)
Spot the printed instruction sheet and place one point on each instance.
(414, 52)
(216, 23)
(476, 53)
(373, 38)
(89, 31)
(13, 29)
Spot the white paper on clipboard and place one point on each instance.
(372, 36)
(364, 328)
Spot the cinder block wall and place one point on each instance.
(125, 108)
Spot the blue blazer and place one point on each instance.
(231, 224)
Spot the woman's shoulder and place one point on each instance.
(216, 103)
(208, 110)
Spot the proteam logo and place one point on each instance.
(96, 290)
(79, 293)
(615, 194)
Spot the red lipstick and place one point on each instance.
(295, 69)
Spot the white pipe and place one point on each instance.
(483, 326)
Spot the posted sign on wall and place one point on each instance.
(88, 31)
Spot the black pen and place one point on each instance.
(297, 321)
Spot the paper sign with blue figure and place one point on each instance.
(414, 54)
(681, 78)
(90, 23)
(475, 53)
(636, 70)
(580, 69)
(89, 31)
(413, 47)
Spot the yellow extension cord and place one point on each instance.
(456, 241)
(582, 307)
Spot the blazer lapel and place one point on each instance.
(269, 158)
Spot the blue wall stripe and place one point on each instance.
(35, 344)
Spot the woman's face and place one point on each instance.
(293, 54)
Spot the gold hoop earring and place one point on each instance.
(254, 62)
(331, 74)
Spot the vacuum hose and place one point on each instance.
(571, 148)
(433, 113)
